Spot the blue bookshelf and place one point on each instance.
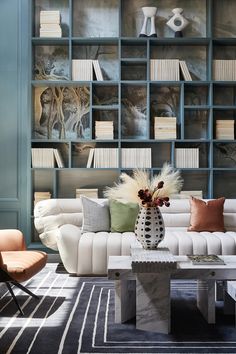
(127, 88)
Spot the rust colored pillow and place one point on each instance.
(207, 216)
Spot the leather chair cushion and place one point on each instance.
(22, 265)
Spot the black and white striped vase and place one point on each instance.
(149, 227)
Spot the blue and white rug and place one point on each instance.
(76, 315)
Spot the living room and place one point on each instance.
(117, 176)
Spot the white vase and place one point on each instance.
(149, 227)
(149, 13)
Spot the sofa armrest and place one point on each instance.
(67, 241)
(11, 240)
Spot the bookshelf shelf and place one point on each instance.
(127, 99)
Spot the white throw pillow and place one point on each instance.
(96, 216)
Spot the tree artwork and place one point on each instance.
(61, 112)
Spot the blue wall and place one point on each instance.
(14, 115)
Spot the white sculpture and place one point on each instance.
(149, 12)
(177, 22)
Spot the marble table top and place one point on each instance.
(120, 267)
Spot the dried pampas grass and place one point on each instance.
(129, 186)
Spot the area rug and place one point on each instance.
(76, 315)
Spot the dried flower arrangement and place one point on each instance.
(145, 191)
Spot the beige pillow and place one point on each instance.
(207, 216)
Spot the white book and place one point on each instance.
(185, 71)
(152, 70)
(51, 34)
(97, 70)
(58, 157)
(50, 27)
(88, 192)
(49, 17)
(90, 158)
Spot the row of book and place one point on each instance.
(136, 157)
(165, 127)
(103, 158)
(46, 158)
(104, 130)
(38, 196)
(224, 70)
(225, 129)
(109, 158)
(187, 157)
(82, 70)
(50, 24)
(169, 70)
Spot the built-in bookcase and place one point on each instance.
(65, 112)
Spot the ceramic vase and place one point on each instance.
(149, 13)
(149, 227)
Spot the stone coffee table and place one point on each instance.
(142, 286)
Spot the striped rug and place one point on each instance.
(76, 315)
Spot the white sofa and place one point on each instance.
(59, 221)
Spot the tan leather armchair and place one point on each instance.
(16, 263)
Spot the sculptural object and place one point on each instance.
(177, 22)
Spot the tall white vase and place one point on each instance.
(148, 12)
(149, 227)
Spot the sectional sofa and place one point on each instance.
(59, 221)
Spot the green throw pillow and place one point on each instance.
(123, 215)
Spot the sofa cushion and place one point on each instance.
(207, 216)
(94, 250)
(96, 216)
(123, 215)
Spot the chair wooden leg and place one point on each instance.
(14, 298)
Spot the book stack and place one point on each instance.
(104, 130)
(38, 196)
(103, 158)
(225, 129)
(88, 192)
(136, 157)
(82, 70)
(165, 127)
(168, 70)
(210, 259)
(187, 157)
(224, 70)
(50, 24)
(45, 158)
